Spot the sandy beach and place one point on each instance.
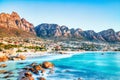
(33, 54)
(45, 53)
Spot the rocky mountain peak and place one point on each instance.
(78, 29)
(14, 21)
(118, 33)
(15, 16)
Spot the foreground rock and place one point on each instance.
(37, 69)
(41, 78)
(3, 65)
(33, 64)
(17, 58)
(2, 71)
(22, 57)
(47, 65)
(3, 58)
(27, 76)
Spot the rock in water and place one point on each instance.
(47, 65)
(2, 71)
(3, 65)
(22, 57)
(28, 76)
(37, 67)
(3, 58)
(41, 78)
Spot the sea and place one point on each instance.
(78, 66)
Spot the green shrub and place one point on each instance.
(19, 50)
(0, 49)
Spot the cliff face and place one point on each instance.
(109, 35)
(53, 30)
(14, 25)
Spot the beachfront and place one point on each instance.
(78, 65)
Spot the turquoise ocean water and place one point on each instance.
(88, 66)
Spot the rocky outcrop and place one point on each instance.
(118, 34)
(89, 35)
(76, 33)
(3, 65)
(36, 69)
(47, 65)
(55, 31)
(41, 78)
(52, 30)
(27, 76)
(3, 57)
(13, 25)
(109, 35)
(2, 71)
(22, 57)
(48, 30)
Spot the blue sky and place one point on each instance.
(85, 14)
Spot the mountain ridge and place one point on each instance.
(46, 30)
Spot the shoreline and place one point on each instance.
(57, 55)
(39, 53)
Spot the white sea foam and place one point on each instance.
(42, 58)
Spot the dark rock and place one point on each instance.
(21, 63)
(8, 72)
(36, 72)
(67, 71)
(6, 76)
(27, 74)
(32, 69)
(33, 64)
(2, 71)
(27, 68)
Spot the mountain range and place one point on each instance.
(13, 25)
(55, 31)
